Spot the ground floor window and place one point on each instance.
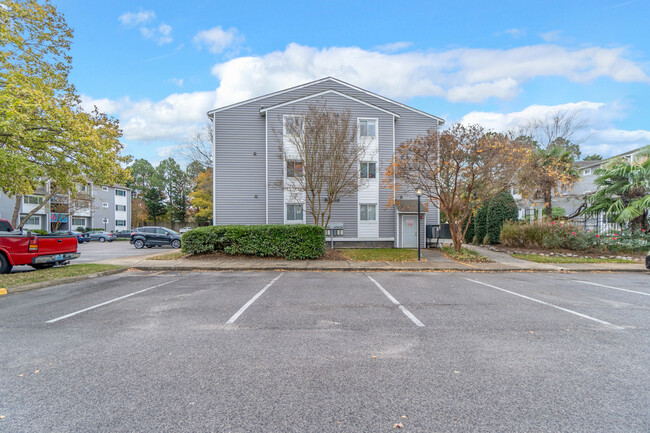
(121, 223)
(368, 212)
(78, 222)
(34, 220)
(294, 212)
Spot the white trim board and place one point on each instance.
(263, 110)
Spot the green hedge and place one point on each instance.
(295, 241)
(501, 208)
(480, 224)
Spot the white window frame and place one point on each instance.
(586, 172)
(120, 190)
(105, 205)
(366, 221)
(368, 119)
(119, 206)
(117, 223)
(39, 199)
(284, 122)
(368, 169)
(286, 168)
(77, 224)
(104, 188)
(286, 212)
(37, 219)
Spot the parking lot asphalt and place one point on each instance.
(321, 351)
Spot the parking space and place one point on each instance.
(321, 351)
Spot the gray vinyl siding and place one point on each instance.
(240, 131)
(240, 166)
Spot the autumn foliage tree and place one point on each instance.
(45, 134)
(459, 169)
(201, 198)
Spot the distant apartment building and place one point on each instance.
(92, 206)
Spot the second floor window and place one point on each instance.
(120, 192)
(368, 212)
(32, 199)
(120, 207)
(368, 128)
(294, 169)
(368, 170)
(294, 125)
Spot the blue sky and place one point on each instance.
(159, 66)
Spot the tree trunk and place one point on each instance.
(456, 230)
(14, 218)
(33, 211)
(548, 207)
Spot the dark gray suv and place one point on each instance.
(155, 237)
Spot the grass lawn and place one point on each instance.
(546, 259)
(465, 255)
(170, 256)
(37, 276)
(379, 254)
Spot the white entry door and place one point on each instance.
(409, 231)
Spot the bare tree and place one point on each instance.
(459, 169)
(321, 153)
(198, 146)
(560, 128)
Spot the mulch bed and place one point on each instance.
(596, 254)
(330, 255)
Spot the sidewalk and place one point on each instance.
(433, 261)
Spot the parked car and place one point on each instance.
(155, 237)
(122, 233)
(23, 248)
(81, 237)
(185, 230)
(102, 236)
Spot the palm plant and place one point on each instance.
(624, 191)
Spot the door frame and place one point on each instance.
(415, 215)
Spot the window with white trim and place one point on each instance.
(105, 205)
(367, 128)
(104, 188)
(78, 222)
(120, 207)
(586, 172)
(368, 212)
(294, 212)
(120, 223)
(32, 199)
(368, 170)
(120, 192)
(294, 169)
(33, 220)
(293, 124)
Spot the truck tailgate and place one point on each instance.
(56, 244)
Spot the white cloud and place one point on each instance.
(394, 46)
(134, 18)
(552, 36)
(160, 34)
(177, 81)
(165, 152)
(599, 135)
(172, 118)
(217, 40)
(460, 75)
(515, 33)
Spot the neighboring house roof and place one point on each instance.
(343, 83)
(597, 163)
(263, 110)
(409, 206)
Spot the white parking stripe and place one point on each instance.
(108, 302)
(613, 288)
(546, 303)
(248, 304)
(394, 301)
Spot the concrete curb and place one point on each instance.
(373, 269)
(59, 281)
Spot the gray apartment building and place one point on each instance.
(93, 206)
(249, 163)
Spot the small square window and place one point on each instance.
(294, 212)
(294, 169)
(368, 212)
(587, 172)
(294, 125)
(368, 170)
(105, 205)
(104, 188)
(368, 128)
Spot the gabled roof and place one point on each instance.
(343, 83)
(263, 110)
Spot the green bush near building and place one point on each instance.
(501, 208)
(295, 241)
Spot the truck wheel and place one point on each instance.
(176, 243)
(138, 243)
(102, 239)
(5, 266)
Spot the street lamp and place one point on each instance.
(419, 194)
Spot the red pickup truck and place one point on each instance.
(23, 248)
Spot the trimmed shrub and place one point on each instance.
(294, 241)
(480, 224)
(558, 212)
(500, 209)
